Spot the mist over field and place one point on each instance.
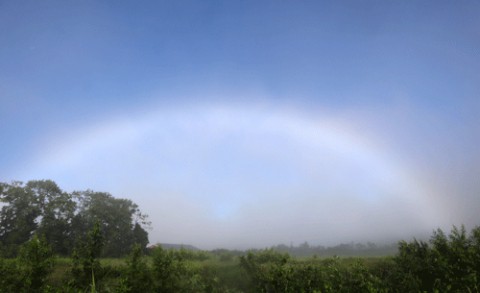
(250, 124)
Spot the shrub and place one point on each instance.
(35, 263)
(137, 276)
(168, 270)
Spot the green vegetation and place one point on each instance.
(63, 219)
(343, 250)
(40, 223)
(444, 264)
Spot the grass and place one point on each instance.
(222, 274)
(215, 262)
(225, 272)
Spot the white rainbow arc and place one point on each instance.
(181, 132)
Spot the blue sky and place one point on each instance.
(245, 109)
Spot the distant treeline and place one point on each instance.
(305, 250)
(64, 219)
(345, 250)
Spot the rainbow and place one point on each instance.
(231, 160)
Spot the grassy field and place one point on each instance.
(447, 263)
(215, 274)
(224, 273)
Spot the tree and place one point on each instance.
(120, 221)
(41, 207)
(57, 213)
(140, 237)
(18, 217)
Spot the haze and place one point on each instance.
(253, 123)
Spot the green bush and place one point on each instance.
(35, 262)
(137, 276)
(168, 270)
(445, 264)
(86, 266)
(10, 280)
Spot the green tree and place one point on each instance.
(42, 207)
(38, 207)
(18, 216)
(140, 237)
(121, 221)
(57, 213)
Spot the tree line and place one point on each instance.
(63, 219)
(344, 250)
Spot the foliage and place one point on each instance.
(18, 217)
(121, 221)
(137, 276)
(445, 264)
(41, 207)
(10, 280)
(271, 271)
(56, 214)
(344, 250)
(36, 263)
(86, 265)
(168, 270)
(38, 219)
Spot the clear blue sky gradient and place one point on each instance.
(404, 72)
